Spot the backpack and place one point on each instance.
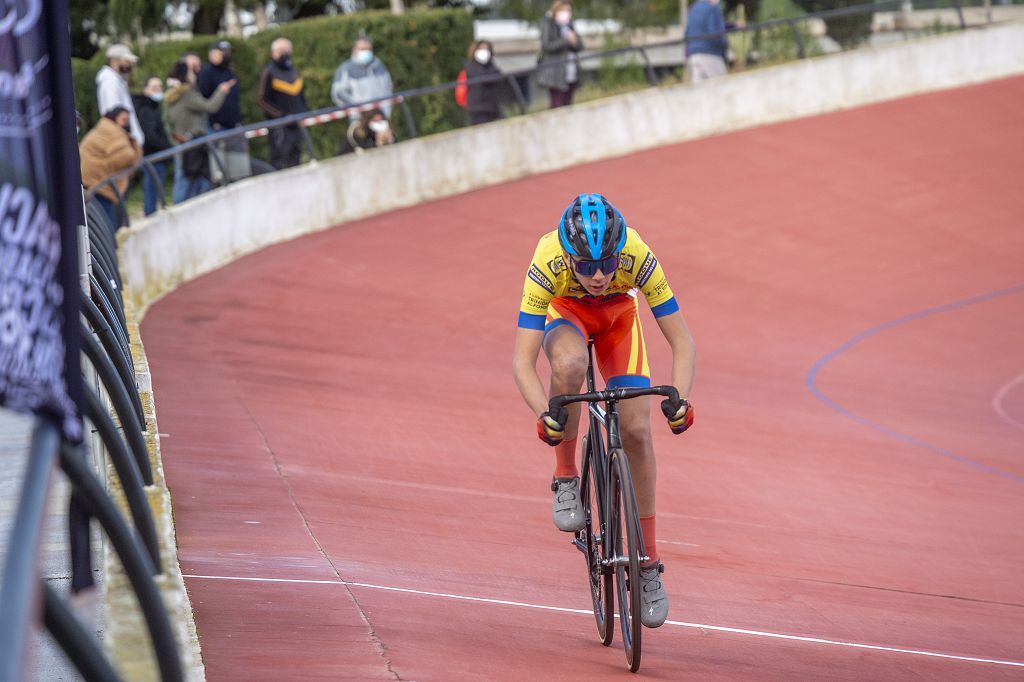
(462, 90)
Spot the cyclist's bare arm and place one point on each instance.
(684, 352)
(524, 368)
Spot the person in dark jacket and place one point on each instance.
(559, 69)
(280, 93)
(483, 103)
(218, 70)
(705, 41)
(150, 113)
(232, 154)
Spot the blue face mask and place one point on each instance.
(364, 57)
(157, 97)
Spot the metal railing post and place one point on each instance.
(211, 153)
(123, 407)
(307, 139)
(19, 591)
(652, 78)
(960, 15)
(81, 648)
(149, 170)
(410, 122)
(136, 562)
(128, 473)
(517, 92)
(800, 51)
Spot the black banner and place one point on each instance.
(40, 211)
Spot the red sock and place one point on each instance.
(650, 538)
(565, 459)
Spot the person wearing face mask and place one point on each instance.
(106, 149)
(558, 68)
(218, 70)
(149, 109)
(280, 93)
(483, 102)
(373, 130)
(187, 112)
(112, 85)
(232, 153)
(361, 78)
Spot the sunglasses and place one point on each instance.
(587, 268)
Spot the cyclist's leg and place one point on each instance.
(566, 348)
(565, 345)
(622, 358)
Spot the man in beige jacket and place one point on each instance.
(106, 149)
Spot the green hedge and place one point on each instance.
(420, 47)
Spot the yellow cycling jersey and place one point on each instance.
(550, 276)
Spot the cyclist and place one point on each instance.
(583, 282)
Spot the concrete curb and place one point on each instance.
(126, 638)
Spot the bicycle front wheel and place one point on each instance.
(625, 536)
(600, 580)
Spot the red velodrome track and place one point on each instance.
(359, 492)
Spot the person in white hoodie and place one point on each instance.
(112, 86)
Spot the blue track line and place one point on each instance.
(885, 326)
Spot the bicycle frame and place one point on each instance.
(605, 420)
(611, 540)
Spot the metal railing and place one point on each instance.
(25, 599)
(316, 117)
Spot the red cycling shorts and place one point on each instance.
(614, 323)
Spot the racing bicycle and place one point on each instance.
(611, 539)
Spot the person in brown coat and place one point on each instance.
(105, 150)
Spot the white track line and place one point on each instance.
(997, 403)
(699, 626)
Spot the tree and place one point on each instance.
(848, 31)
(93, 20)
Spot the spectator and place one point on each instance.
(106, 149)
(371, 131)
(194, 64)
(218, 70)
(232, 153)
(361, 78)
(187, 113)
(705, 41)
(112, 85)
(484, 101)
(280, 94)
(149, 110)
(559, 67)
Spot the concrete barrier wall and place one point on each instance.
(186, 241)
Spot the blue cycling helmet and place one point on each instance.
(591, 228)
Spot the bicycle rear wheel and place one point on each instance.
(625, 531)
(590, 540)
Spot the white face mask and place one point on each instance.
(563, 17)
(156, 96)
(378, 126)
(364, 57)
(482, 55)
